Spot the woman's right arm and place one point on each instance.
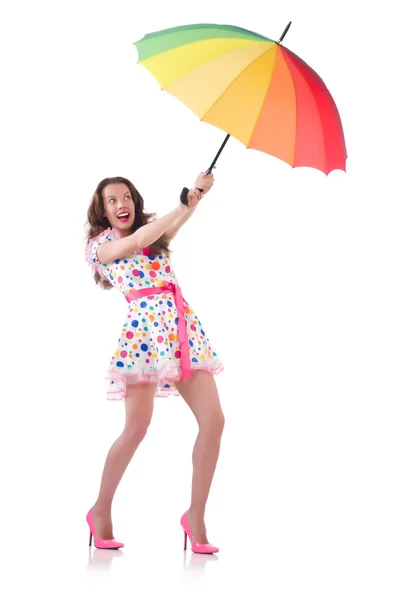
(141, 238)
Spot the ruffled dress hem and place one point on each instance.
(164, 378)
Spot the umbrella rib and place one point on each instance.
(303, 74)
(233, 80)
(169, 32)
(296, 106)
(261, 108)
(190, 70)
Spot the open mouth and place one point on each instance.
(123, 217)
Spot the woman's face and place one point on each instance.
(117, 200)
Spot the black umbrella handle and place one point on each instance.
(185, 190)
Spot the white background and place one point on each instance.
(303, 502)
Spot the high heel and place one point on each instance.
(196, 547)
(99, 542)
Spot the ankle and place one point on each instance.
(196, 513)
(102, 509)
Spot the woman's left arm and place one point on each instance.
(204, 181)
(175, 226)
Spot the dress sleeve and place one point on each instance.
(92, 247)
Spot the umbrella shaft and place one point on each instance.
(219, 151)
(185, 190)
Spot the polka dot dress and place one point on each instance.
(148, 349)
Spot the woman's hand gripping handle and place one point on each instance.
(202, 185)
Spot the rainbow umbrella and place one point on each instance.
(251, 87)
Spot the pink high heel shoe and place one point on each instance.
(196, 547)
(98, 542)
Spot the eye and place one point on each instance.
(127, 196)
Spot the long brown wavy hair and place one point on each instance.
(98, 222)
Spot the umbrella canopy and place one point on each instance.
(251, 87)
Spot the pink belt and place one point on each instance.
(168, 287)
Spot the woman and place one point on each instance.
(163, 349)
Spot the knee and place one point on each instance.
(215, 424)
(134, 434)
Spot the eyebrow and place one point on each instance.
(115, 196)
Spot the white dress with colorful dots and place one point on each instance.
(148, 349)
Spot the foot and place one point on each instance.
(197, 526)
(102, 524)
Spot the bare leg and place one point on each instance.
(201, 395)
(139, 409)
